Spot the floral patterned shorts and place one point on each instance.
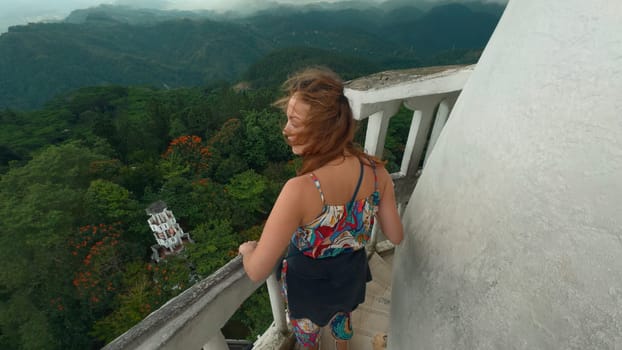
(307, 333)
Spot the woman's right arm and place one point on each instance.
(388, 217)
(259, 258)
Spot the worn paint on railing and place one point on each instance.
(185, 322)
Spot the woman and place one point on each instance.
(325, 214)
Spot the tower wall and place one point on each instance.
(514, 231)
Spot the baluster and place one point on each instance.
(277, 303)
(410, 142)
(217, 342)
(377, 127)
(442, 114)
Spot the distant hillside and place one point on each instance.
(273, 69)
(42, 60)
(112, 45)
(129, 15)
(451, 26)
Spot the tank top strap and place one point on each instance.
(358, 184)
(373, 167)
(316, 181)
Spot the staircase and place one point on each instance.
(370, 319)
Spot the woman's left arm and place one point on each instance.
(388, 216)
(259, 258)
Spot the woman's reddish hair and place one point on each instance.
(330, 126)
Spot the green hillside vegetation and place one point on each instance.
(41, 60)
(274, 68)
(75, 243)
(111, 45)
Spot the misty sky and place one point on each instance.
(14, 12)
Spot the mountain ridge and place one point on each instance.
(169, 49)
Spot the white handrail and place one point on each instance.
(430, 93)
(194, 318)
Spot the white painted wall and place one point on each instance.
(514, 231)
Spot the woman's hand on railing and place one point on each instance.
(247, 247)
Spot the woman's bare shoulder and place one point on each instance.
(299, 184)
(383, 176)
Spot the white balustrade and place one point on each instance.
(430, 93)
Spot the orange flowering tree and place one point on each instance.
(188, 154)
(98, 275)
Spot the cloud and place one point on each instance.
(24, 11)
(151, 4)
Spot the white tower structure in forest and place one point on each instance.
(514, 231)
(169, 235)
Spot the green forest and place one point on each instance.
(78, 170)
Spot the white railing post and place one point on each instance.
(377, 126)
(444, 108)
(277, 303)
(218, 342)
(423, 108)
(410, 142)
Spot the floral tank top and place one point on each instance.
(339, 228)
